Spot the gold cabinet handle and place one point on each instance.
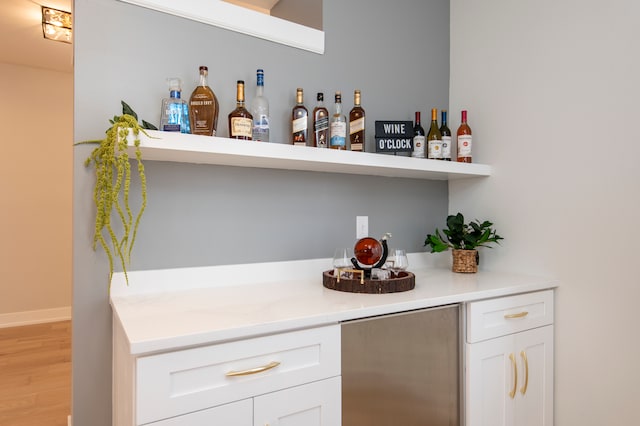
(518, 315)
(512, 394)
(256, 370)
(524, 387)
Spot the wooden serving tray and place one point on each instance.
(403, 282)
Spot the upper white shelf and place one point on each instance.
(183, 148)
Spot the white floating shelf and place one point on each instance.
(183, 148)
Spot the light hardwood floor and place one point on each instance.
(35, 374)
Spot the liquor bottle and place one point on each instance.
(240, 120)
(175, 111)
(446, 137)
(260, 111)
(320, 123)
(299, 116)
(434, 138)
(203, 107)
(338, 126)
(356, 124)
(464, 140)
(418, 138)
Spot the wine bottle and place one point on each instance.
(240, 120)
(320, 123)
(464, 141)
(203, 107)
(418, 138)
(299, 115)
(434, 138)
(446, 137)
(174, 115)
(260, 111)
(338, 125)
(356, 124)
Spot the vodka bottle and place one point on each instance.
(338, 126)
(260, 111)
(174, 116)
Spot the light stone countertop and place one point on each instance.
(164, 310)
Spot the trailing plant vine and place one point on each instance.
(113, 182)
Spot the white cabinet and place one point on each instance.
(279, 379)
(509, 361)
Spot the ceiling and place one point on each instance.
(21, 40)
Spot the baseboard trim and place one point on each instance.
(16, 319)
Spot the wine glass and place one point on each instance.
(399, 262)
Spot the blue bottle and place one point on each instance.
(175, 111)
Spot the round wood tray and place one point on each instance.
(403, 282)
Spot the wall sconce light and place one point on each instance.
(56, 24)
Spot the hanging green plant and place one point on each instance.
(113, 181)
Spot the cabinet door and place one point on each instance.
(313, 404)
(490, 378)
(234, 414)
(534, 402)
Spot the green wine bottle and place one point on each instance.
(434, 139)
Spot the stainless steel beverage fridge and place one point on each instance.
(402, 369)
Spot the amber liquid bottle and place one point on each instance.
(320, 124)
(299, 123)
(356, 124)
(464, 140)
(240, 120)
(203, 107)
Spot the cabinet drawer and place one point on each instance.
(487, 319)
(188, 380)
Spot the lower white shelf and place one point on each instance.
(184, 148)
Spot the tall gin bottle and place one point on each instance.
(203, 107)
(174, 116)
(240, 120)
(260, 111)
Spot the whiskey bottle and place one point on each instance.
(174, 115)
(320, 123)
(446, 137)
(299, 116)
(338, 126)
(260, 111)
(434, 138)
(240, 120)
(356, 124)
(203, 107)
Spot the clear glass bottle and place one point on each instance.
(434, 138)
(418, 138)
(203, 107)
(174, 116)
(356, 123)
(260, 111)
(320, 123)
(464, 140)
(338, 126)
(446, 136)
(299, 120)
(240, 120)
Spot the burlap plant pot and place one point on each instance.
(465, 261)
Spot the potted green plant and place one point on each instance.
(464, 239)
(111, 192)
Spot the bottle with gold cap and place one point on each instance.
(434, 138)
(356, 123)
(240, 120)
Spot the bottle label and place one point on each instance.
(321, 124)
(464, 146)
(356, 125)
(241, 126)
(261, 128)
(299, 124)
(435, 149)
(339, 134)
(446, 147)
(418, 146)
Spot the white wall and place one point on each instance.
(35, 193)
(552, 89)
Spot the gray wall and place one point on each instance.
(397, 53)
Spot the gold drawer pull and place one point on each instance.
(256, 370)
(518, 315)
(512, 394)
(524, 387)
